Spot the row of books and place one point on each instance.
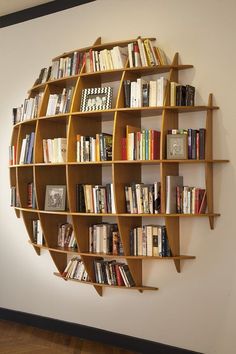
(105, 238)
(105, 59)
(181, 95)
(27, 146)
(113, 273)
(28, 110)
(143, 53)
(38, 236)
(143, 198)
(143, 93)
(54, 150)
(62, 67)
(95, 198)
(149, 240)
(97, 148)
(184, 199)
(75, 269)
(141, 145)
(194, 142)
(31, 200)
(59, 103)
(191, 200)
(66, 237)
(14, 197)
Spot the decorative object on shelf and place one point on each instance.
(96, 99)
(177, 146)
(55, 198)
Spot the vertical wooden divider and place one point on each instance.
(170, 121)
(209, 165)
(124, 174)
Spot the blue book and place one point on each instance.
(29, 158)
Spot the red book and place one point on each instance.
(155, 144)
(203, 204)
(119, 278)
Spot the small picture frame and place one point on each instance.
(176, 146)
(96, 99)
(55, 197)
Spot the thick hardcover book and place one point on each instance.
(171, 193)
(181, 95)
(190, 93)
(80, 201)
(202, 139)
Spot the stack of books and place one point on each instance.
(105, 238)
(113, 273)
(143, 198)
(93, 149)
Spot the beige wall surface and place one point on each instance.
(195, 309)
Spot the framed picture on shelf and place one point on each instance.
(176, 146)
(55, 197)
(96, 99)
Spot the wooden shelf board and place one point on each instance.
(157, 69)
(104, 255)
(195, 161)
(109, 163)
(142, 288)
(94, 113)
(117, 214)
(168, 215)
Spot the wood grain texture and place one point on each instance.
(21, 339)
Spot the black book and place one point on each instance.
(127, 85)
(80, 201)
(181, 95)
(202, 138)
(128, 275)
(190, 93)
(194, 144)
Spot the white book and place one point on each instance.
(149, 233)
(55, 150)
(50, 150)
(121, 56)
(113, 208)
(22, 152)
(161, 90)
(130, 54)
(139, 92)
(133, 94)
(39, 234)
(142, 52)
(52, 104)
(152, 93)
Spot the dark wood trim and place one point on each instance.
(90, 333)
(38, 11)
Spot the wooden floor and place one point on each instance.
(19, 339)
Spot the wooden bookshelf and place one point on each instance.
(121, 172)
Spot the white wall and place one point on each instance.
(195, 309)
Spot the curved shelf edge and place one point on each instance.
(104, 255)
(139, 288)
